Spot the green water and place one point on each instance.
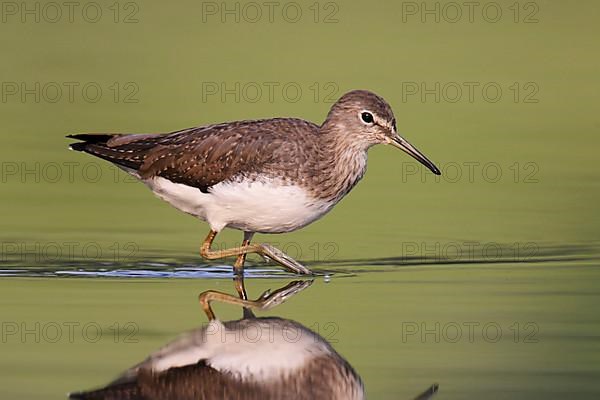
(506, 240)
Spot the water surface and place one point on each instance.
(503, 329)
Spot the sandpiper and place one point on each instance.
(268, 176)
(251, 358)
(266, 358)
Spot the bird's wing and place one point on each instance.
(204, 156)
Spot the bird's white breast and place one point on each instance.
(263, 205)
(260, 350)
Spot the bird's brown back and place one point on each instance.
(204, 156)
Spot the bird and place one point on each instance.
(258, 176)
(266, 358)
(248, 359)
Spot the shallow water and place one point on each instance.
(503, 329)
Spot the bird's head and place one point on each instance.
(365, 119)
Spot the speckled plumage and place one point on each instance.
(289, 149)
(326, 160)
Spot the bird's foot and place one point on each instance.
(284, 260)
(270, 299)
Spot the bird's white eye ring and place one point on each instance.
(367, 117)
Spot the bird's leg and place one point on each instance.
(262, 248)
(238, 281)
(238, 267)
(241, 258)
(266, 301)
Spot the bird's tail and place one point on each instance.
(89, 139)
(126, 151)
(428, 393)
(127, 391)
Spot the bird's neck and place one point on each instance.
(344, 163)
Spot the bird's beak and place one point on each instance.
(402, 144)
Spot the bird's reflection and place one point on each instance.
(250, 358)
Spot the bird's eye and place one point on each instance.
(367, 117)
